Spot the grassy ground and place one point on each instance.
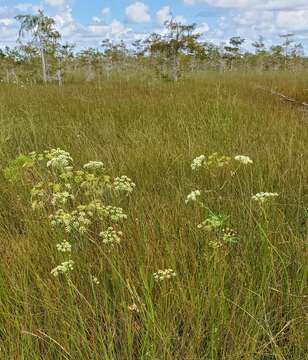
(242, 301)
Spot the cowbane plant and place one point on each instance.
(80, 203)
(215, 224)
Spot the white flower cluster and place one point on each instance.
(213, 160)
(58, 159)
(263, 197)
(198, 162)
(76, 220)
(111, 236)
(84, 215)
(124, 184)
(94, 166)
(115, 214)
(193, 196)
(64, 247)
(80, 199)
(65, 267)
(243, 159)
(162, 275)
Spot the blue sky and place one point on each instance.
(87, 22)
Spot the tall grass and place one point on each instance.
(246, 302)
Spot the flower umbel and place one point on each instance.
(94, 166)
(198, 162)
(193, 196)
(264, 197)
(124, 184)
(64, 247)
(65, 267)
(243, 159)
(162, 275)
(58, 159)
(111, 236)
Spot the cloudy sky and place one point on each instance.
(87, 22)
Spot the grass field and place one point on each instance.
(243, 300)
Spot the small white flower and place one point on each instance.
(193, 196)
(162, 275)
(243, 159)
(95, 280)
(64, 247)
(58, 159)
(115, 214)
(263, 197)
(111, 236)
(198, 162)
(65, 267)
(124, 184)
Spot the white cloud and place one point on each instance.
(250, 18)
(117, 28)
(114, 30)
(24, 7)
(293, 20)
(106, 12)
(65, 22)
(163, 14)
(202, 28)
(138, 12)
(252, 4)
(7, 22)
(54, 2)
(96, 19)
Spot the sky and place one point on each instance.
(87, 22)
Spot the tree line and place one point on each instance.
(41, 56)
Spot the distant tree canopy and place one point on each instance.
(44, 37)
(179, 49)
